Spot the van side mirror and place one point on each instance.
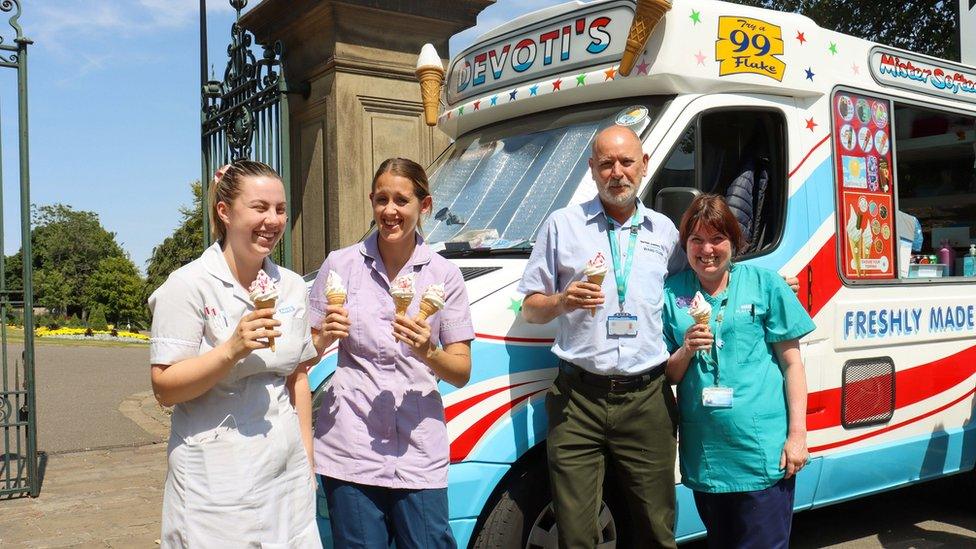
(674, 201)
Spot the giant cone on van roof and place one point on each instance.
(647, 16)
(430, 74)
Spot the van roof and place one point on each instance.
(570, 54)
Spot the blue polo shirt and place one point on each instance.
(572, 236)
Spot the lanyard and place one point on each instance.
(623, 275)
(719, 317)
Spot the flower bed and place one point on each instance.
(84, 333)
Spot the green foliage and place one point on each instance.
(77, 263)
(923, 26)
(180, 248)
(117, 286)
(96, 320)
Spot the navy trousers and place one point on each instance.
(368, 517)
(741, 520)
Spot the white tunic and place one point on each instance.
(238, 473)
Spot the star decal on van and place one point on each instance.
(800, 37)
(515, 305)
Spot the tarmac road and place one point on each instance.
(79, 390)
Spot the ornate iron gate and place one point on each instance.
(245, 115)
(18, 403)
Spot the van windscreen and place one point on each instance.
(496, 186)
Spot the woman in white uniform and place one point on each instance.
(240, 446)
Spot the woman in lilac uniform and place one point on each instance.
(381, 440)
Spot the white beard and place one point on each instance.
(617, 199)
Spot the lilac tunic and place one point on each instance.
(382, 420)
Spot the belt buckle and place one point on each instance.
(613, 385)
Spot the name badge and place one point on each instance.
(622, 324)
(717, 397)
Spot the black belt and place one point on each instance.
(613, 384)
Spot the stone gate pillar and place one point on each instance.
(354, 60)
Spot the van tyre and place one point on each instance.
(521, 515)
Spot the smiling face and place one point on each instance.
(709, 252)
(396, 208)
(255, 219)
(618, 165)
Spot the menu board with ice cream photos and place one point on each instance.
(862, 156)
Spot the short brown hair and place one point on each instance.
(711, 210)
(404, 167)
(226, 186)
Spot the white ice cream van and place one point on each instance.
(858, 165)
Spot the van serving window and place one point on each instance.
(741, 159)
(935, 156)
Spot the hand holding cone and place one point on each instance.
(264, 295)
(595, 271)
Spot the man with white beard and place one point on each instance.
(609, 402)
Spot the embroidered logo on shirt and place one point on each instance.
(653, 247)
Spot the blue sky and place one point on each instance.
(114, 108)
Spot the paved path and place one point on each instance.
(101, 498)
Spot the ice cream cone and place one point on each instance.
(856, 255)
(401, 304)
(427, 308)
(268, 304)
(336, 298)
(431, 79)
(646, 17)
(598, 280)
(702, 319)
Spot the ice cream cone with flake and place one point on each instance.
(595, 271)
(432, 301)
(646, 17)
(430, 74)
(402, 290)
(335, 292)
(854, 238)
(700, 310)
(264, 294)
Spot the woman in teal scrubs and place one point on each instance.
(742, 389)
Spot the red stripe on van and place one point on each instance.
(911, 386)
(462, 445)
(815, 147)
(460, 407)
(826, 282)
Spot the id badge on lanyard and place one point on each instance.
(622, 324)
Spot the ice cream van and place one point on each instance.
(854, 162)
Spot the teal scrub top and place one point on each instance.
(735, 449)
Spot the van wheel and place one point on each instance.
(522, 516)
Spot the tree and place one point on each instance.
(923, 26)
(117, 286)
(68, 247)
(96, 320)
(52, 290)
(180, 248)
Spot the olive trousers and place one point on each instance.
(635, 432)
